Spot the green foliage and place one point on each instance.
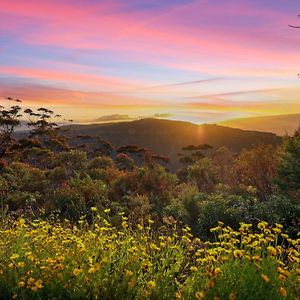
(289, 164)
(184, 206)
(280, 209)
(76, 196)
(202, 174)
(230, 209)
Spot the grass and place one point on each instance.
(57, 260)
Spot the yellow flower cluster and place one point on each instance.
(129, 261)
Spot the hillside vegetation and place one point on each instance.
(169, 137)
(82, 217)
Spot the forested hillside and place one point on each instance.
(66, 191)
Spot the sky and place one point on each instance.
(194, 60)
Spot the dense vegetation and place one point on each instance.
(57, 260)
(57, 184)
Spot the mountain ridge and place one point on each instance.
(168, 137)
(278, 124)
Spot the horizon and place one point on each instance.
(202, 61)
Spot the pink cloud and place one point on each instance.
(163, 38)
(70, 77)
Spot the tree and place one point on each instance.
(289, 165)
(9, 120)
(257, 168)
(45, 130)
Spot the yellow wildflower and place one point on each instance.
(14, 256)
(238, 253)
(193, 269)
(211, 284)
(77, 271)
(265, 278)
(272, 250)
(21, 264)
(128, 273)
(281, 277)
(151, 284)
(132, 282)
(92, 270)
(282, 291)
(199, 295)
(217, 271)
(21, 283)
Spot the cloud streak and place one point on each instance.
(151, 53)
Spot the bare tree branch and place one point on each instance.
(292, 26)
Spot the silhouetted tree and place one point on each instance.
(9, 120)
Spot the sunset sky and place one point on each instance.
(195, 60)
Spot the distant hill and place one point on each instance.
(168, 137)
(280, 124)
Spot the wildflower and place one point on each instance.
(14, 256)
(132, 282)
(105, 259)
(151, 284)
(282, 291)
(21, 264)
(21, 284)
(256, 258)
(77, 271)
(140, 227)
(92, 270)
(215, 229)
(107, 211)
(281, 277)
(193, 269)
(262, 225)
(128, 273)
(238, 253)
(232, 296)
(124, 224)
(11, 265)
(34, 288)
(216, 271)
(265, 278)
(211, 284)
(199, 295)
(277, 230)
(272, 250)
(39, 284)
(93, 208)
(150, 221)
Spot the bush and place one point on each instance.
(230, 209)
(75, 198)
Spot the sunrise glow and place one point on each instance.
(195, 60)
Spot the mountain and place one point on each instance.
(281, 124)
(168, 137)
